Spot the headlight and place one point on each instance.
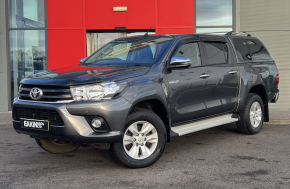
(98, 91)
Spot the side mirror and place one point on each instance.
(83, 60)
(179, 61)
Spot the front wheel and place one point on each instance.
(143, 142)
(251, 119)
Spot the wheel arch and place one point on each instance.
(156, 106)
(260, 90)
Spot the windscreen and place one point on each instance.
(145, 51)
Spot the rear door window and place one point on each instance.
(251, 49)
(216, 52)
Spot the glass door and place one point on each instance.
(96, 40)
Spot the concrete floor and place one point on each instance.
(213, 158)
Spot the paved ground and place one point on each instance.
(214, 158)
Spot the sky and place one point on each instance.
(213, 12)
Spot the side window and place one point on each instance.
(191, 51)
(258, 51)
(217, 52)
(250, 49)
(242, 49)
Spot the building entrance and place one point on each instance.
(96, 40)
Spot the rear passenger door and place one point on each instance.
(223, 76)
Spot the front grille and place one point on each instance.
(50, 93)
(38, 114)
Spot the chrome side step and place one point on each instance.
(203, 124)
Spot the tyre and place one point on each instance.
(143, 142)
(251, 119)
(57, 146)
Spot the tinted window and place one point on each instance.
(216, 52)
(225, 47)
(191, 51)
(258, 51)
(251, 49)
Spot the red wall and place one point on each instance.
(68, 20)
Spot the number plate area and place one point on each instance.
(34, 124)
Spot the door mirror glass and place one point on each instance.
(83, 60)
(179, 61)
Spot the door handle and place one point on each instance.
(233, 72)
(204, 75)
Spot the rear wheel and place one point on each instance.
(57, 146)
(251, 119)
(143, 142)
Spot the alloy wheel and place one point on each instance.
(255, 114)
(140, 140)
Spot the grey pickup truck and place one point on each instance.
(134, 94)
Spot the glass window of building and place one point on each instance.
(27, 40)
(214, 16)
(26, 13)
(96, 40)
(213, 30)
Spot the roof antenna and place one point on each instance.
(146, 34)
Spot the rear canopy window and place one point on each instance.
(251, 49)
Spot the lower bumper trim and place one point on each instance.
(61, 134)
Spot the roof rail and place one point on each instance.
(238, 33)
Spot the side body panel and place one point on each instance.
(190, 95)
(254, 74)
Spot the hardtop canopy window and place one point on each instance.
(251, 49)
(130, 51)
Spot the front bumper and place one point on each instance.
(76, 128)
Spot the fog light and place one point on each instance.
(96, 123)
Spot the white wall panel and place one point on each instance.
(259, 17)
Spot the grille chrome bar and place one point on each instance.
(47, 102)
(50, 93)
(47, 90)
(48, 96)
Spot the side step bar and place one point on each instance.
(203, 124)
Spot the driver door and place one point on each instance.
(189, 88)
